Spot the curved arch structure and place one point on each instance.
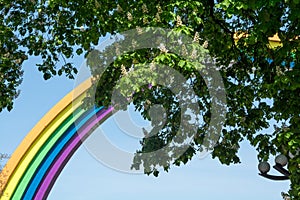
(35, 165)
(37, 162)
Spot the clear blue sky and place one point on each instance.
(86, 178)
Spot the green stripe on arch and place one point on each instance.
(42, 153)
(15, 169)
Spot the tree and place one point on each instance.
(262, 82)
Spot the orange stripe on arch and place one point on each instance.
(30, 138)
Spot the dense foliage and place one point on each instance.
(262, 82)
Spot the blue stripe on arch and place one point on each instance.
(55, 150)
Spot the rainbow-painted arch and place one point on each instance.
(37, 162)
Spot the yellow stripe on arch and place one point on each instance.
(21, 158)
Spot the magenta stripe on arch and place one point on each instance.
(46, 183)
